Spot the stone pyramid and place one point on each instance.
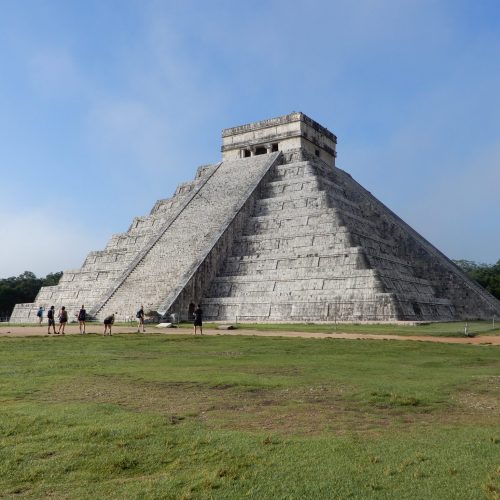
(275, 232)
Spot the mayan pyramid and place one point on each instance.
(274, 232)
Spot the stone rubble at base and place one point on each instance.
(275, 232)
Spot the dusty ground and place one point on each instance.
(28, 331)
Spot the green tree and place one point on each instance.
(487, 275)
(22, 288)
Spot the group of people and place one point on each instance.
(108, 321)
(62, 316)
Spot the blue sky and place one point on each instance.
(105, 106)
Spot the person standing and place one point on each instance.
(82, 317)
(39, 315)
(198, 319)
(63, 319)
(51, 319)
(140, 319)
(108, 322)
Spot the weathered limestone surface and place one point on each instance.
(101, 269)
(273, 233)
(164, 270)
(320, 247)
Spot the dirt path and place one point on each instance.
(19, 331)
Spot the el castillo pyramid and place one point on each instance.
(274, 232)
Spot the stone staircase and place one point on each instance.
(162, 270)
(103, 268)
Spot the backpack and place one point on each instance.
(139, 314)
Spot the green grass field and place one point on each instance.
(439, 329)
(162, 416)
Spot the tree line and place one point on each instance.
(487, 275)
(24, 288)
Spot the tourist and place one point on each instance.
(51, 319)
(140, 319)
(63, 319)
(198, 319)
(82, 317)
(108, 322)
(39, 315)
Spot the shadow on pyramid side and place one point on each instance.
(273, 233)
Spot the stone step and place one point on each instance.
(287, 171)
(280, 188)
(320, 201)
(278, 282)
(263, 276)
(309, 288)
(333, 308)
(274, 219)
(261, 244)
(129, 242)
(288, 228)
(253, 264)
(291, 196)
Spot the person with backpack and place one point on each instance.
(108, 323)
(51, 319)
(140, 319)
(63, 319)
(82, 317)
(39, 315)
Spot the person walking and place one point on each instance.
(51, 320)
(63, 319)
(140, 319)
(198, 319)
(39, 315)
(82, 317)
(108, 322)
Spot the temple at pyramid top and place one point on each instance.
(285, 133)
(272, 233)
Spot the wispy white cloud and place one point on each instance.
(42, 241)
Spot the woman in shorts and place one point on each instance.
(63, 319)
(82, 317)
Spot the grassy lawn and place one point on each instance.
(162, 416)
(443, 329)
